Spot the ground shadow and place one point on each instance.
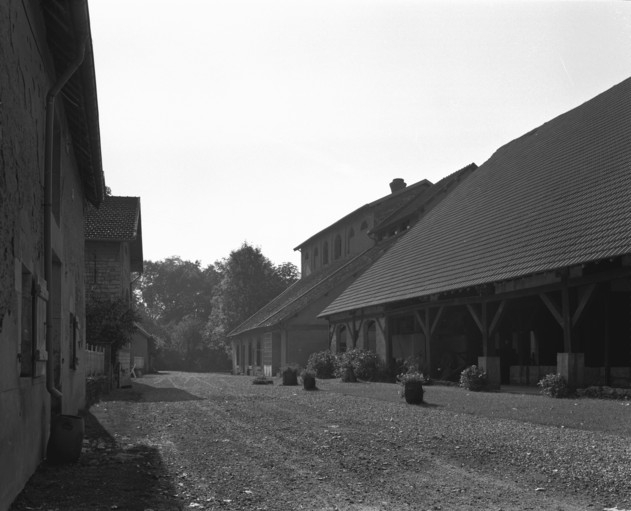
(141, 392)
(107, 476)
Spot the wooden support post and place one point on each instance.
(584, 296)
(436, 319)
(494, 324)
(607, 340)
(481, 321)
(552, 308)
(567, 319)
(428, 343)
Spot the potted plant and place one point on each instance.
(473, 378)
(412, 387)
(308, 380)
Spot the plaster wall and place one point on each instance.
(25, 405)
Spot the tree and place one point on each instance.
(249, 280)
(110, 321)
(175, 298)
(173, 288)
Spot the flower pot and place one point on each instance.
(309, 382)
(413, 392)
(66, 439)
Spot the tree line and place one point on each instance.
(190, 309)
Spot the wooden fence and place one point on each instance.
(95, 360)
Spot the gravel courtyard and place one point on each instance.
(210, 441)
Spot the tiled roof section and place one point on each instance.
(426, 200)
(308, 289)
(116, 219)
(558, 196)
(383, 206)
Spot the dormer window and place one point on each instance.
(351, 234)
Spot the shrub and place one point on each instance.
(322, 364)
(553, 385)
(364, 364)
(473, 378)
(308, 381)
(290, 375)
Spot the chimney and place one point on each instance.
(397, 184)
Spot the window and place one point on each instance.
(351, 234)
(316, 254)
(325, 253)
(73, 339)
(364, 225)
(337, 247)
(28, 328)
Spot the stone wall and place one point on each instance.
(107, 271)
(25, 77)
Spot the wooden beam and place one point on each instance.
(552, 308)
(421, 321)
(436, 319)
(584, 296)
(428, 342)
(497, 317)
(475, 316)
(381, 327)
(567, 320)
(451, 302)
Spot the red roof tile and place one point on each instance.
(558, 196)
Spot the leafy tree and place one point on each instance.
(175, 299)
(249, 280)
(173, 289)
(110, 321)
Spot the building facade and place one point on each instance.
(287, 330)
(525, 269)
(51, 169)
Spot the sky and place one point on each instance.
(265, 121)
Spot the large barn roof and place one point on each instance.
(558, 196)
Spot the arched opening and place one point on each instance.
(349, 241)
(325, 253)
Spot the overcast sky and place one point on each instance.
(266, 121)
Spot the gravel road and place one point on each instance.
(208, 441)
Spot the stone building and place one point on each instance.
(51, 169)
(113, 260)
(525, 268)
(287, 330)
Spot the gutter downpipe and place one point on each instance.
(48, 208)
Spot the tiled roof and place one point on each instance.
(116, 219)
(558, 196)
(308, 289)
(426, 200)
(383, 206)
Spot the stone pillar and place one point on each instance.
(493, 374)
(572, 367)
